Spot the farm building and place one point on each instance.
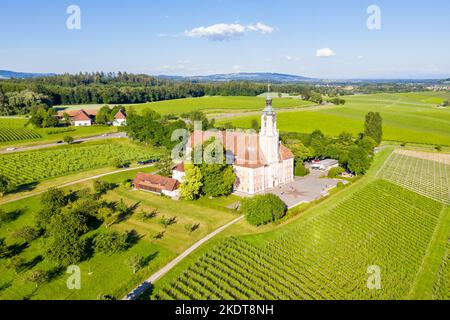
(120, 119)
(80, 118)
(324, 165)
(157, 184)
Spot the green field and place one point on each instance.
(218, 104)
(35, 166)
(411, 117)
(426, 177)
(14, 131)
(325, 257)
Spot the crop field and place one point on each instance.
(412, 117)
(218, 104)
(442, 287)
(324, 257)
(426, 174)
(35, 166)
(13, 129)
(17, 134)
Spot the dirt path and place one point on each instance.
(74, 182)
(133, 295)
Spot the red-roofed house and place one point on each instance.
(81, 119)
(260, 161)
(157, 184)
(120, 119)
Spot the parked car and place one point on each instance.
(11, 149)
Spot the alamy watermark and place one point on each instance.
(74, 280)
(374, 279)
(374, 19)
(73, 22)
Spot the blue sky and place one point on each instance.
(193, 37)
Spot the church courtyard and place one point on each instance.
(305, 189)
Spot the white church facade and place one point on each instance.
(260, 161)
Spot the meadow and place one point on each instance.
(218, 104)
(109, 274)
(325, 257)
(34, 166)
(411, 117)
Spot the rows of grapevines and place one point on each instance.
(38, 165)
(325, 257)
(441, 290)
(426, 177)
(17, 134)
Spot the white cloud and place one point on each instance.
(325, 53)
(261, 27)
(236, 68)
(223, 31)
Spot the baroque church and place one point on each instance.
(260, 161)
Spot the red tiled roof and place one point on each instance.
(285, 153)
(120, 115)
(81, 116)
(244, 147)
(73, 113)
(155, 181)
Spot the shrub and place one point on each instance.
(301, 170)
(111, 242)
(335, 172)
(263, 209)
(340, 185)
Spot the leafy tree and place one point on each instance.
(192, 184)
(102, 187)
(335, 172)
(135, 262)
(263, 209)
(301, 170)
(358, 160)
(38, 277)
(111, 242)
(120, 163)
(167, 222)
(4, 250)
(52, 201)
(27, 234)
(217, 180)
(368, 144)
(165, 166)
(16, 264)
(255, 125)
(65, 244)
(191, 227)
(373, 127)
(6, 185)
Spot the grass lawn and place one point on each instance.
(411, 117)
(109, 274)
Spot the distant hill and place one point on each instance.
(5, 74)
(254, 77)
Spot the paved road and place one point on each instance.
(76, 182)
(133, 295)
(54, 144)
